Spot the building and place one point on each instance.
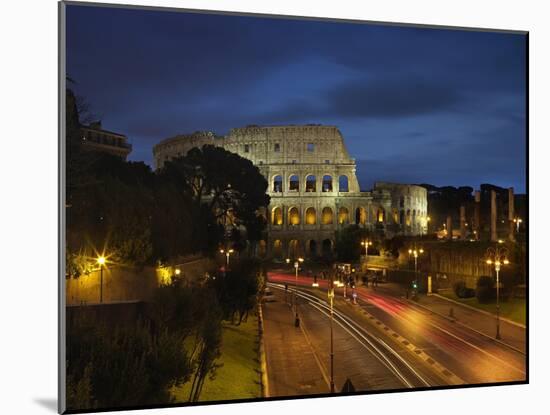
(97, 139)
(313, 186)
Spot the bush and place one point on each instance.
(485, 289)
(462, 291)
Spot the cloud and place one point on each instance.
(385, 97)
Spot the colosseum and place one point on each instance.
(313, 187)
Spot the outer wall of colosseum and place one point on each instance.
(313, 187)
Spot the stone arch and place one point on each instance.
(277, 216)
(312, 248)
(278, 249)
(293, 216)
(327, 216)
(343, 215)
(311, 216)
(262, 248)
(294, 183)
(295, 249)
(361, 216)
(327, 183)
(381, 215)
(343, 183)
(277, 183)
(395, 214)
(326, 247)
(311, 183)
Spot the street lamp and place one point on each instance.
(296, 266)
(227, 252)
(101, 262)
(497, 257)
(366, 243)
(415, 253)
(330, 294)
(517, 221)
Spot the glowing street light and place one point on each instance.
(101, 261)
(366, 243)
(517, 221)
(227, 253)
(296, 267)
(415, 253)
(497, 257)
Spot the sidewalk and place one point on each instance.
(291, 364)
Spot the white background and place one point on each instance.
(28, 207)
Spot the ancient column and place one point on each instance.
(477, 223)
(449, 227)
(511, 213)
(494, 236)
(462, 222)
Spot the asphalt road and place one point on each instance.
(384, 342)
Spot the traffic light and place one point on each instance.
(415, 285)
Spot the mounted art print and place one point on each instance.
(260, 207)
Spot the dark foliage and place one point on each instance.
(462, 291)
(485, 291)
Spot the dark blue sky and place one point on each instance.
(415, 105)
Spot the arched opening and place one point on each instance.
(293, 183)
(293, 216)
(327, 216)
(408, 218)
(327, 183)
(343, 184)
(381, 215)
(262, 248)
(360, 216)
(395, 215)
(278, 184)
(277, 216)
(312, 248)
(278, 249)
(326, 248)
(402, 217)
(311, 183)
(311, 216)
(343, 216)
(294, 249)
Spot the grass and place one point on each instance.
(513, 309)
(239, 377)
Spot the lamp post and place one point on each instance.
(366, 243)
(517, 221)
(497, 257)
(101, 262)
(415, 253)
(227, 253)
(330, 294)
(296, 266)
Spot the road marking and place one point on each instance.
(386, 363)
(454, 379)
(477, 348)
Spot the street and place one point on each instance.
(383, 342)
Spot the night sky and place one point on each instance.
(415, 105)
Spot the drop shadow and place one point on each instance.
(48, 403)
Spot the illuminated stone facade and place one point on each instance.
(313, 187)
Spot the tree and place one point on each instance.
(348, 242)
(224, 188)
